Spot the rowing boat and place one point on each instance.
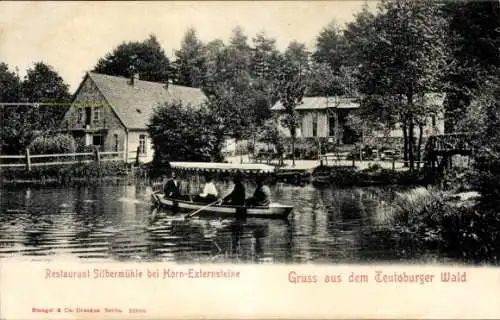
(274, 210)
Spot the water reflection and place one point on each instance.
(115, 222)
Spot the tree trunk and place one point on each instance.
(405, 144)
(420, 137)
(293, 150)
(411, 144)
(254, 148)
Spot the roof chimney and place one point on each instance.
(133, 79)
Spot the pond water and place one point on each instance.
(114, 222)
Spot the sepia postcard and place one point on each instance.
(250, 159)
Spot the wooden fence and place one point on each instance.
(28, 161)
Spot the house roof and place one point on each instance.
(318, 103)
(315, 103)
(134, 104)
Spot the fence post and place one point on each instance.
(393, 164)
(137, 155)
(97, 156)
(28, 160)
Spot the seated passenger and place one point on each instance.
(209, 193)
(171, 188)
(262, 194)
(237, 196)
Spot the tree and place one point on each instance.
(215, 57)
(297, 55)
(401, 58)
(190, 64)
(473, 39)
(43, 84)
(146, 58)
(264, 58)
(357, 38)
(184, 133)
(330, 45)
(10, 91)
(10, 85)
(323, 81)
(291, 91)
(21, 123)
(234, 94)
(273, 134)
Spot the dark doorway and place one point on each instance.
(88, 114)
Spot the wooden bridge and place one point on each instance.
(439, 149)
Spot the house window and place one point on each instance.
(315, 125)
(81, 115)
(98, 140)
(115, 146)
(142, 144)
(433, 119)
(97, 114)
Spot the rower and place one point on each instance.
(237, 196)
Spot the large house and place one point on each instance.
(327, 117)
(112, 113)
(323, 117)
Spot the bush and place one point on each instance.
(472, 234)
(458, 179)
(417, 207)
(486, 180)
(424, 220)
(50, 144)
(185, 133)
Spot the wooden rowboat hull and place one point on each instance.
(275, 210)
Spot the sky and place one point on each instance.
(72, 36)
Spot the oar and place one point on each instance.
(208, 205)
(156, 198)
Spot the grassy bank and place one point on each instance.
(429, 220)
(67, 174)
(375, 175)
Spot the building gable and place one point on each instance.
(134, 101)
(82, 112)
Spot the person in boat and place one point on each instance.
(171, 189)
(209, 193)
(238, 195)
(262, 195)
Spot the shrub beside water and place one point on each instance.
(458, 179)
(53, 143)
(423, 220)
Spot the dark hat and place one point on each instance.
(209, 176)
(237, 176)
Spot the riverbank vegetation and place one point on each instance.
(372, 176)
(463, 225)
(80, 172)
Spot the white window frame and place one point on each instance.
(142, 144)
(96, 114)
